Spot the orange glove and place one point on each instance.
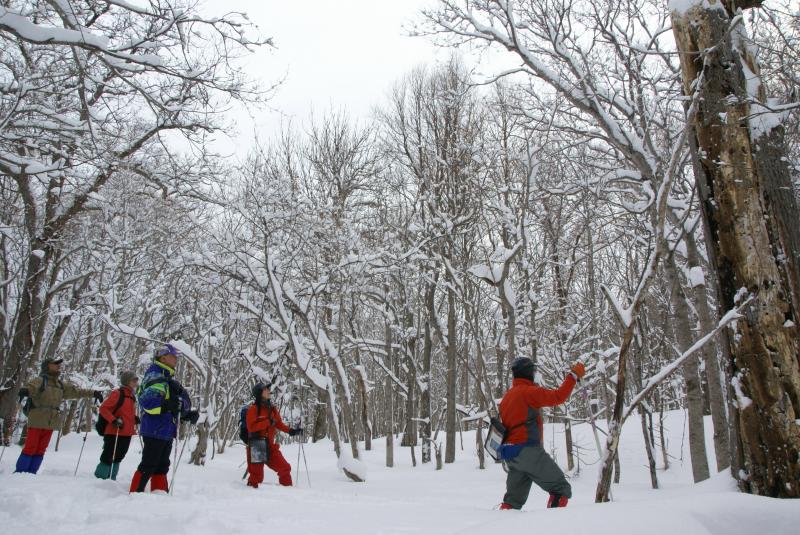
(578, 370)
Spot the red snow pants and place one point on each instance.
(37, 441)
(276, 463)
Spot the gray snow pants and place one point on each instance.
(533, 465)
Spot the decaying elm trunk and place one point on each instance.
(752, 245)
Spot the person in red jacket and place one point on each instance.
(121, 417)
(525, 457)
(263, 421)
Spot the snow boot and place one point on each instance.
(139, 482)
(159, 483)
(36, 462)
(557, 500)
(103, 470)
(252, 484)
(505, 506)
(24, 464)
(114, 471)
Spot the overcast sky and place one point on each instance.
(334, 54)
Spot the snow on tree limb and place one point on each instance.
(669, 369)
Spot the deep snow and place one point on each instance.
(459, 499)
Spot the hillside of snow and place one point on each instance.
(458, 499)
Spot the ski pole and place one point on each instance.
(175, 471)
(297, 477)
(113, 454)
(85, 436)
(177, 434)
(3, 437)
(308, 476)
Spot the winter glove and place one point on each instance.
(117, 423)
(23, 393)
(192, 416)
(296, 431)
(578, 371)
(98, 396)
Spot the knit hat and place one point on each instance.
(522, 368)
(126, 377)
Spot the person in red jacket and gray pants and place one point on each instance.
(525, 457)
(121, 417)
(263, 421)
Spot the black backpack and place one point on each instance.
(243, 423)
(102, 423)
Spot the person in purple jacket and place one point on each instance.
(162, 401)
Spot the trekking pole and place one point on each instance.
(113, 454)
(178, 434)
(175, 471)
(308, 476)
(3, 437)
(297, 477)
(85, 436)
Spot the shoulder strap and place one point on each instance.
(44, 384)
(509, 429)
(151, 382)
(119, 402)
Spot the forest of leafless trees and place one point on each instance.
(626, 197)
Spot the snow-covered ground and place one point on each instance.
(459, 499)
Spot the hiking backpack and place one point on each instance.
(102, 423)
(243, 423)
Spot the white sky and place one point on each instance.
(335, 54)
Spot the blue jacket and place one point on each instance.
(156, 388)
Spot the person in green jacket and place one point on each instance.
(46, 392)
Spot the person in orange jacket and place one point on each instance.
(525, 456)
(119, 410)
(263, 421)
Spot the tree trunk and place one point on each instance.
(663, 438)
(199, 453)
(320, 420)
(389, 398)
(363, 397)
(425, 397)
(19, 355)
(450, 424)
(682, 328)
(410, 435)
(651, 460)
(714, 377)
(748, 232)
